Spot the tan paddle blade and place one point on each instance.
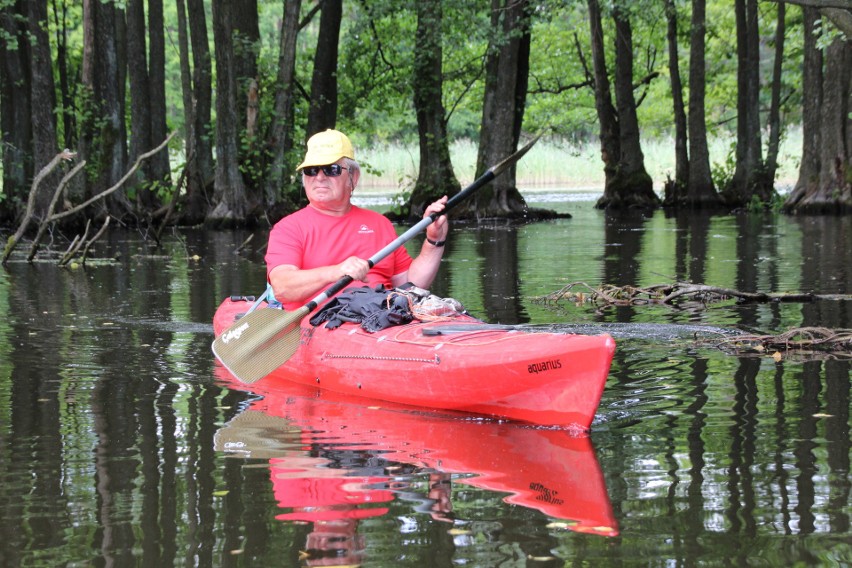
(259, 342)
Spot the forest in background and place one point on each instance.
(235, 87)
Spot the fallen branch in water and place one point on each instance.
(670, 294)
(803, 341)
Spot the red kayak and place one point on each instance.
(332, 458)
(462, 365)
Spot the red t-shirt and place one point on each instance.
(309, 239)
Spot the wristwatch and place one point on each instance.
(435, 243)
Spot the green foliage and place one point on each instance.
(377, 49)
(723, 172)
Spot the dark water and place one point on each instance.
(121, 443)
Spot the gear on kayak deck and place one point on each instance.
(380, 308)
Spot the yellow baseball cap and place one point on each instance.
(326, 148)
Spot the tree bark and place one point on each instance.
(281, 171)
(700, 192)
(436, 177)
(675, 191)
(229, 193)
(322, 113)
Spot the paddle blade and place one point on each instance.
(259, 342)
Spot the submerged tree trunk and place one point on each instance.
(631, 186)
(322, 113)
(436, 177)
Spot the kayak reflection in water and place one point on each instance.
(334, 461)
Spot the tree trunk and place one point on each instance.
(502, 112)
(436, 177)
(607, 118)
(281, 171)
(675, 191)
(835, 176)
(195, 206)
(809, 167)
(245, 46)
(140, 99)
(700, 191)
(68, 104)
(229, 193)
(43, 102)
(774, 121)
(825, 182)
(160, 169)
(103, 137)
(15, 122)
(631, 186)
(203, 93)
(322, 113)
(749, 180)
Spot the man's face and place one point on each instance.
(327, 192)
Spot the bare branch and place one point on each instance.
(112, 189)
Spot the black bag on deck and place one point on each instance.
(375, 309)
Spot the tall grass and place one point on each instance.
(553, 164)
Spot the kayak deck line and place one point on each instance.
(435, 360)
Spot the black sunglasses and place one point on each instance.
(332, 170)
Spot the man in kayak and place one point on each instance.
(330, 238)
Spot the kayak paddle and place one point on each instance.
(263, 340)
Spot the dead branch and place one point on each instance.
(93, 239)
(106, 192)
(30, 210)
(56, 195)
(74, 246)
(672, 295)
(802, 341)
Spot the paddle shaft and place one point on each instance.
(489, 175)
